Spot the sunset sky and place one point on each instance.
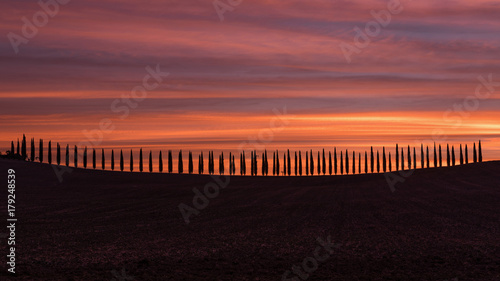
(272, 72)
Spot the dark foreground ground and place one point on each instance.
(439, 224)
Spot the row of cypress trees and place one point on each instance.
(334, 165)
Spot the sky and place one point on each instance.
(249, 75)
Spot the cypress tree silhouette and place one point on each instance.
(24, 154)
(234, 168)
(251, 164)
(296, 163)
(241, 163)
(414, 158)
(222, 170)
(255, 163)
(160, 162)
(378, 162)
(353, 162)
(384, 161)
(244, 164)
(141, 166)
(202, 163)
(284, 164)
(122, 164)
(448, 160)
(307, 163)
(474, 155)
(103, 160)
(85, 158)
(274, 163)
(190, 163)
(58, 154)
(49, 153)
(67, 155)
(40, 154)
(480, 154)
(94, 159)
(112, 159)
(453, 155)
(461, 155)
(18, 151)
(341, 163)
(440, 157)
(324, 162)
(311, 165)
(335, 160)
(263, 163)
(330, 168)
(402, 160)
(289, 163)
(32, 150)
(131, 161)
(199, 164)
(300, 163)
(12, 148)
(267, 163)
(170, 162)
(390, 163)
(150, 162)
(319, 165)
(435, 156)
(359, 163)
(76, 157)
(180, 165)
(366, 163)
(428, 158)
(409, 158)
(372, 160)
(422, 156)
(466, 155)
(397, 158)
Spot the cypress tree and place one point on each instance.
(255, 159)
(244, 164)
(103, 160)
(160, 162)
(202, 164)
(18, 151)
(289, 163)
(341, 163)
(274, 163)
(390, 163)
(428, 158)
(453, 155)
(384, 160)
(49, 156)
(422, 156)
(112, 159)
(67, 155)
(372, 159)
(190, 163)
(366, 163)
(23, 149)
(58, 154)
(466, 155)
(150, 162)
(12, 148)
(32, 150)
(141, 166)
(324, 162)
(378, 162)
(94, 159)
(397, 158)
(267, 163)
(170, 162)
(359, 163)
(307, 163)
(330, 163)
(85, 158)
(402, 160)
(480, 154)
(409, 158)
(353, 162)
(241, 163)
(311, 165)
(180, 166)
(76, 157)
(474, 155)
(335, 160)
(448, 160)
(319, 165)
(300, 163)
(251, 164)
(121, 161)
(440, 157)
(234, 168)
(435, 156)
(284, 164)
(414, 158)
(40, 154)
(222, 163)
(461, 155)
(296, 160)
(131, 161)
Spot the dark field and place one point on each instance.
(439, 224)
